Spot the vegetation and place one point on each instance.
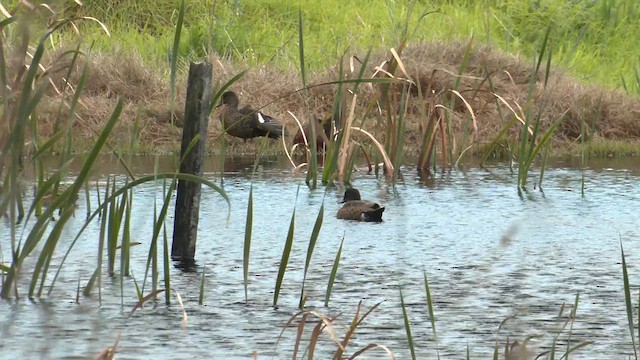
(397, 99)
(594, 39)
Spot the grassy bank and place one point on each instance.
(593, 40)
(481, 51)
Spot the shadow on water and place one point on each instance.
(489, 252)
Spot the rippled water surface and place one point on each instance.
(489, 253)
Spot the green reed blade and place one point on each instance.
(627, 300)
(332, 275)
(100, 210)
(247, 244)
(152, 258)
(42, 265)
(152, 255)
(113, 229)
(91, 283)
(432, 315)
(126, 235)
(174, 57)
(286, 251)
(167, 268)
(202, 277)
(124, 247)
(303, 71)
(64, 199)
(312, 244)
(407, 327)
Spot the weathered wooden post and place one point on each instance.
(196, 117)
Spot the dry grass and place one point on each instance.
(432, 66)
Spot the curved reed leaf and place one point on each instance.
(103, 205)
(64, 200)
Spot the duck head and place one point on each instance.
(230, 98)
(351, 194)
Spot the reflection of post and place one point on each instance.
(196, 115)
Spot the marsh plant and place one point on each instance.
(25, 78)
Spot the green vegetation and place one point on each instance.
(449, 116)
(593, 39)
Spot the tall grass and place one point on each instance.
(28, 88)
(592, 38)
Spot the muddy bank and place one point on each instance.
(495, 86)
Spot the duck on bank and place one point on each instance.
(246, 123)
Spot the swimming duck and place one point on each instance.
(355, 208)
(246, 123)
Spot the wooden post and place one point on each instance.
(196, 117)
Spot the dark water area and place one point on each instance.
(489, 254)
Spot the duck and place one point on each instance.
(246, 123)
(323, 132)
(354, 208)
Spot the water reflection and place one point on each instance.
(489, 254)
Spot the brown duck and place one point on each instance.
(246, 123)
(323, 132)
(355, 208)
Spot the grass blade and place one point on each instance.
(627, 300)
(312, 245)
(247, 244)
(334, 271)
(286, 251)
(407, 327)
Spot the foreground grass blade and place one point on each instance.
(63, 201)
(432, 316)
(627, 300)
(334, 271)
(174, 57)
(247, 244)
(202, 277)
(286, 251)
(312, 245)
(407, 327)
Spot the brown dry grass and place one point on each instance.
(431, 65)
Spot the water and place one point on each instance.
(488, 253)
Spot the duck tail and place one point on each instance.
(373, 215)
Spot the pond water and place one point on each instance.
(489, 253)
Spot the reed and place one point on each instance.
(312, 244)
(326, 323)
(432, 316)
(407, 327)
(247, 244)
(332, 275)
(286, 252)
(628, 302)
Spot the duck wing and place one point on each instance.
(265, 125)
(361, 210)
(236, 123)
